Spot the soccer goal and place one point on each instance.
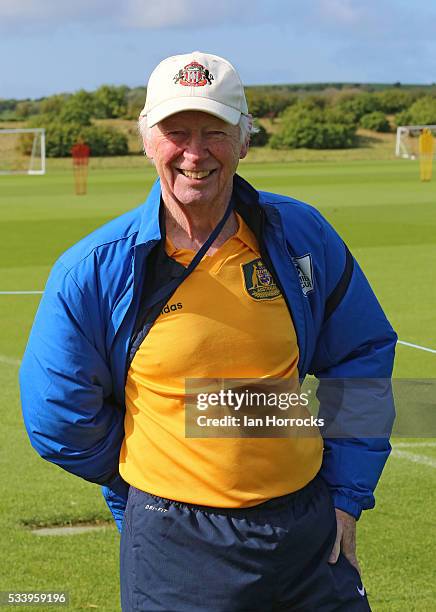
(22, 151)
(407, 143)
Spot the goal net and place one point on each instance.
(22, 151)
(407, 142)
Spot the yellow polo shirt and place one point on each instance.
(226, 320)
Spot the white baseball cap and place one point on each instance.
(195, 81)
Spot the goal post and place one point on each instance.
(22, 151)
(407, 141)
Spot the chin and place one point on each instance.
(195, 197)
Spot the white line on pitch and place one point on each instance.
(21, 292)
(9, 361)
(413, 444)
(417, 346)
(421, 459)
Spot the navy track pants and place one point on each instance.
(178, 557)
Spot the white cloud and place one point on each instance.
(196, 15)
(24, 12)
(167, 14)
(342, 12)
(344, 19)
(145, 14)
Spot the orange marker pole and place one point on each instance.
(80, 153)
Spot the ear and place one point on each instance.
(147, 140)
(148, 148)
(244, 149)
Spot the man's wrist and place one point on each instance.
(346, 504)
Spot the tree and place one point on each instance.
(335, 114)
(135, 99)
(53, 104)
(308, 126)
(25, 108)
(257, 103)
(110, 102)
(105, 141)
(277, 102)
(360, 105)
(304, 109)
(78, 108)
(395, 100)
(422, 112)
(7, 104)
(268, 103)
(102, 140)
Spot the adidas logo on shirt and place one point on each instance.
(171, 308)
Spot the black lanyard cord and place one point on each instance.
(164, 292)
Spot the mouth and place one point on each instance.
(198, 176)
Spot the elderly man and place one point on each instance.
(209, 279)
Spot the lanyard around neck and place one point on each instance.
(165, 292)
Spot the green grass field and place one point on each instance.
(387, 217)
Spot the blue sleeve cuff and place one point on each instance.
(348, 505)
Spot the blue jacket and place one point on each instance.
(74, 369)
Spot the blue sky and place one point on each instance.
(50, 46)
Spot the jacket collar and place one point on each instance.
(149, 228)
(246, 200)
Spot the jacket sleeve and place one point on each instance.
(353, 361)
(66, 389)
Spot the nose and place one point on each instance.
(196, 147)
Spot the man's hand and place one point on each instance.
(345, 539)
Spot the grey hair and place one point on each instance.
(246, 128)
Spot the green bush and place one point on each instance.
(375, 121)
(304, 106)
(403, 118)
(77, 109)
(360, 105)
(25, 109)
(422, 112)
(261, 137)
(314, 128)
(135, 99)
(395, 100)
(311, 135)
(257, 103)
(53, 105)
(334, 114)
(110, 102)
(60, 137)
(267, 104)
(105, 141)
(276, 103)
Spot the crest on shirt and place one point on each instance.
(304, 268)
(193, 75)
(258, 281)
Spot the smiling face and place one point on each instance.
(196, 156)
